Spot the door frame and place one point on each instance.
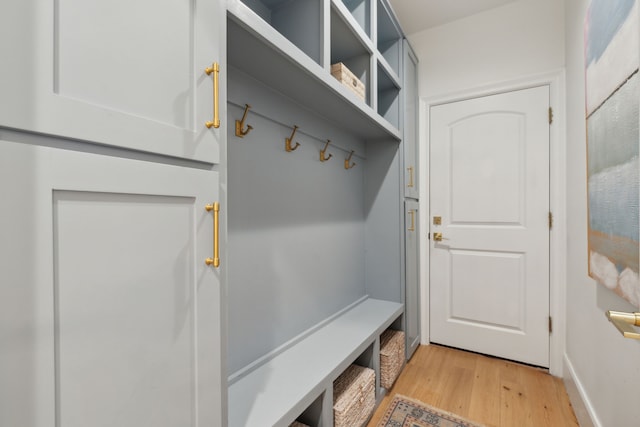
(557, 196)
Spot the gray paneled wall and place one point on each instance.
(384, 220)
(296, 225)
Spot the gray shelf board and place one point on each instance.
(273, 4)
(262, 52)
(278, 391)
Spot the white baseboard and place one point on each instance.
(585, 413)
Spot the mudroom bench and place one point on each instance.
(298, 382)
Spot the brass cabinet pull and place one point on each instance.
(412, 212)
(215, 69)
(215, 261)
(624, 322)
(410, 169)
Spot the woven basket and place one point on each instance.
(298, 424)
(354, 396)
(348, 79)
(391, 356)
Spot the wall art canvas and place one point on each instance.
(612, 53)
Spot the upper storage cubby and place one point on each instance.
(388, 96)
(348, 48)
(291, 45)
(361, 11)
(389, 37)
(298, 20)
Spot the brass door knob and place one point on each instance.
(437, 237)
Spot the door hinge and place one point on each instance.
(550, 325)
(550, 220)
(550, 115)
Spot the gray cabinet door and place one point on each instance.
(115, 72)
(412, 277)
(410, 135)
(107, 309)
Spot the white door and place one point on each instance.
(115, 72)
(490, 193)
(108, 314)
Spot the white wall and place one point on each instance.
(520, 39)
(605, 366)
(524, 38)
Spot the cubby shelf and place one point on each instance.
(389, 38)
(299, 378)
(361, 11)
(388, 96)
(293, 59)
(351, 50)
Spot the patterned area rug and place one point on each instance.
(406, 412)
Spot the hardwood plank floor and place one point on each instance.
(487, 390)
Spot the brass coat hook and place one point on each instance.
(347, 161)
(323, 157)
(287, 141)
(240, 132)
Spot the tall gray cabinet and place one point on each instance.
(108, 310)
(410, 143)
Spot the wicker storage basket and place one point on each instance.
(391, 356)
(354, 396)
(348, 79)
(298, 424)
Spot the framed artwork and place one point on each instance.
(612, 56)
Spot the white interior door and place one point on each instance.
(108, 314)
(489, 193)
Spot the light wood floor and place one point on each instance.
(483, 389)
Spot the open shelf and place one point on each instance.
(258, 49)
(361, 11)
(299, 21)
(389, 38)
(388, 97)
(312, 416)
(347, 48)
